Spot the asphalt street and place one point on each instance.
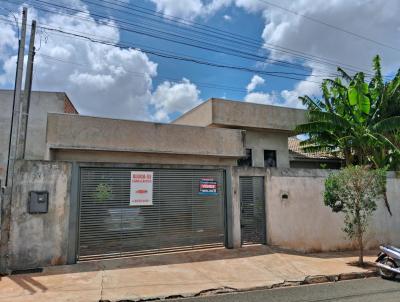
(365, 290)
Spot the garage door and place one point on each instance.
(182, 215)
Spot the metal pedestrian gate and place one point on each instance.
(181, 215)
(252, 204)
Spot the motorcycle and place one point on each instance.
(388, 261)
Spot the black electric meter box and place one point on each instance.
(38, 202)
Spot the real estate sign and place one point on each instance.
(141, 188)
(208, 186)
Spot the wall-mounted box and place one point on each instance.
(38, 202)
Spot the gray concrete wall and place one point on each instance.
(198, 116)
(242, 115)
(102, 134)
(302, 222)
(249, 115)
(139, 158)
(38, 240)
(259, 141)
(41, 103)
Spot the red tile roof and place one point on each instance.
(296, 152)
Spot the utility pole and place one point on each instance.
(12, 149)
(6, 196)
(26, 97)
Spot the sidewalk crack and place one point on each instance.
(102, 284)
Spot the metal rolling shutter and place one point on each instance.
(179, 218)
(252, 219)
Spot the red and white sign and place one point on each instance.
(141, 188)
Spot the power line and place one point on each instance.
(295, 53)
(330, 25)
(204, 46)
(244, 55)
(287, 75)
(187, 25)
(141, 74)
(278, 74)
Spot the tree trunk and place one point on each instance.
(359, 237)
(361, 247)
(387, 202)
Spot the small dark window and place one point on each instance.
(247, 160)
(269, 158)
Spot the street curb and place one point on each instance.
(309, 280)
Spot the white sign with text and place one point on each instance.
(141, 188)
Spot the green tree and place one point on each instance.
(354, 191)
(360, 120)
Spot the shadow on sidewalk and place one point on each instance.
(28, 283)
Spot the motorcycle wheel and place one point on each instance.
(386, 274)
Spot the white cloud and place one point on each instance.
(185, 9)
(8, 40)
(190, 9)
(103, 80)
(227, 18)
(170, 97)
(377, 20)
(255, 81)
(291, 97)
(261, 98)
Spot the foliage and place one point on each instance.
(354, 191)
(358, 119)
(103, 192)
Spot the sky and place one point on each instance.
(271, 51)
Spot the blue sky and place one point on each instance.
(108, 81)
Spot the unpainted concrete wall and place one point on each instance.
(249, 115)
(242, 115)
(139, 158)
(103, 134)
(38, 240)
(198, 116)
(41, 104)
(259, 141)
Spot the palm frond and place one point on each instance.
(330, 117)
(310, 103)
(377, 79)
(344, 74)
(316, 127)
(388, 124)
(336, 84)
(388, 142)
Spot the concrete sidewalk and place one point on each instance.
(178, 274)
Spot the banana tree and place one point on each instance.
(359, 120)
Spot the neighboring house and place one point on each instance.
(41, 104)
(311, 160)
